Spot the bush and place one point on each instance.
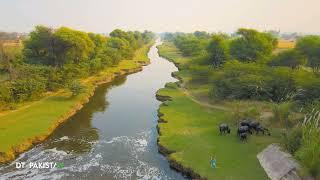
(308, 108)
(310, 90)
(75, 87)
(253, 81)
(292, 139)
(26, 89)
(309, 153)
(281, 113)
(251, 45)
(252, 112)
(55, 80)
(290, 58)
(5, 93)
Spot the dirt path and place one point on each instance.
(194, 99)
(264, 114)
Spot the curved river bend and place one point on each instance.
(113, 137)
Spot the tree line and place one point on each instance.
(246, 68)
(51, 59)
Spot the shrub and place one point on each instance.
(26, 89)
(281, 113)
(309, 153)
(292, 139)
(75, 87)
(252, 112)
(253, 81)
(5, 93)
(290, 58)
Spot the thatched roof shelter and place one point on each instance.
(278, 164)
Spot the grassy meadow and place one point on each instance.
(191, 131)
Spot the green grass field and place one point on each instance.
(33, 121)
(192, 132)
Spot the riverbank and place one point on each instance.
(188, 129)
(31, 124)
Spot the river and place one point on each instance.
(113, 136)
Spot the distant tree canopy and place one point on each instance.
(310, 47)
(290, 58)
(201, 34)
(246, 68)
(56, 58)
(57, 47)
(189, 44)
(248, 46)
(74, 46)
(252, 81)
(218, 50)
(306, 52)
(251, 45)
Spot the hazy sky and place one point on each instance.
(162, 15)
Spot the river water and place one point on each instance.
(112, 137)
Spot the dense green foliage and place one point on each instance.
(290, 58)
(218, 50)
(75, 87)
(306, 52)
(56, 58)
(189, 45)
(246, 67)
(309, 152)
(305, 143)
(292, 140)
(251, 45)
(251, 81)
(310, 47)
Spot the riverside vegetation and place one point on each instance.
(48, 77)
(226, 78)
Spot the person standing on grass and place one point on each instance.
(213, 162)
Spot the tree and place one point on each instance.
(252, 45)
(290, 58)
(99, 41)
(201, 34)
(128, 36)
(39, 47)
(189, 44)
(147, 36)
(310, 47)
(7, 63)
(122, 45)
(218, 50)
(57, 47)
(78, 45)
(238, 80)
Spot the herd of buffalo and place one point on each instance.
(245, 127)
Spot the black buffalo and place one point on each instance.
(245, 122)
(243, 129)
(224, 128)
(263, 130)
(243, 136)
(253, 125)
